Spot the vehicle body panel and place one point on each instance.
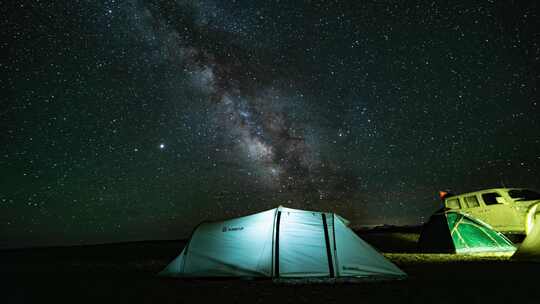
(505, 209)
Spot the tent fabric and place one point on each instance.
(215, 249)
(456, 232)
(282, 242)
(303, 247)
(357, 258)
(436, 237)
(529, 250)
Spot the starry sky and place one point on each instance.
(137, 119)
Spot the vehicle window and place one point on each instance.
(453, 203)
(471, 201)
(490, 198)
(524, 195)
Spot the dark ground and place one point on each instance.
(126, 273)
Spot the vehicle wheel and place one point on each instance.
(532, 216)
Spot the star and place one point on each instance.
(259, 108)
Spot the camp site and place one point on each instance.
(270, 151)
(288, 255)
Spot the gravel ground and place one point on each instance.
(125, 273)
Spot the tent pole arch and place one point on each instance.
(276, 246)
(273, 243)
(328, 248)
(335, 246)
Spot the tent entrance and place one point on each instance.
(303, 246)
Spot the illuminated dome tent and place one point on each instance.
(281, 242)
(456, 232)
(529, 250)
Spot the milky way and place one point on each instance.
(249, 112)
(138, 119)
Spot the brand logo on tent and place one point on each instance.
(225, 228)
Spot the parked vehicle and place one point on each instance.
(508, 210)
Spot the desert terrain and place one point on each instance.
(126, 273)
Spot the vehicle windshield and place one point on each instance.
(524, 195)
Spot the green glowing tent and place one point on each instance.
(456, 232)
(282, 242)
(529, 250)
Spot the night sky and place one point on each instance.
(133, 120)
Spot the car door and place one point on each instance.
(498, 212)
(472, 205)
